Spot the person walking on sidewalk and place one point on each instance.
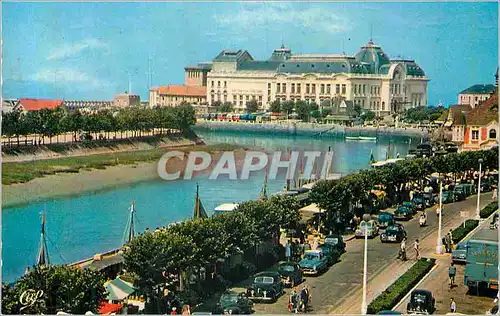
(451, 272)
(416, 247)
(495, 194)
(453, 306)
(402, 250)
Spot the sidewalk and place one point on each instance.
(382, 279)
(438, 283)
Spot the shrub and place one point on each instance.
(460, 232)
(488, 209)
(397, 290)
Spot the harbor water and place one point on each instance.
(81, 226)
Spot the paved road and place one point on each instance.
(342, 280)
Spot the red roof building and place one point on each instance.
(26, 104)
(174, 95)
(481, 130)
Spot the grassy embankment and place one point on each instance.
(21, 172)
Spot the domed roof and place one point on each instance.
(372, 55)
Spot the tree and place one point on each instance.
(287, 107)
(357, 110)
(252, 106)
(367, 115)
(64, 288)
(275, 106)
(303, 110)
(184, 116)
(225, 107)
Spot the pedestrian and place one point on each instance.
(495, 194)
(416, 247)
(186, 310)
(451, 272)
(174, 311)
(288, 250)
(292, 301)
(402, 250)
(453, 306)
(304, 299)
(450, 240)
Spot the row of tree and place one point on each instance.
(53, 122)
(198, 243)
(337, 197)
(422, 113)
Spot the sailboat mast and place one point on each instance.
(131, 231)
(43, 254)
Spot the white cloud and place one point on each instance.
(64, 76)
(68, 50)
(279, 14)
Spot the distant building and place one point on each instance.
(8, 105)
(369, 79)
(475, 94)
(197, 75)
(454, 120)
(26, 104)
(174, 95)
(341, 112)
(125, 100)
(481, 131)
(87, 106)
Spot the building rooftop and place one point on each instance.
(38, 104)
(484, 113)
(479, 89)
(183, 90)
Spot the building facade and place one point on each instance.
(369, 79)
(174, 95)
(481, 130)
(197, 75)
(123, 100)
(476, 94)
(25, 104)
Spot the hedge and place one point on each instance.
(460, 232)
(488, 209)
(397, 290)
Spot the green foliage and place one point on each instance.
(460, 232)
(64, 288)
(224, 107)
(287, 107)
(252, 106)
(335, 196)
(488, 209)
(303, 110)
(396, 291)
(275, 107)
(419, 114)
(367, 115)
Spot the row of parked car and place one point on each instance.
(268, 286)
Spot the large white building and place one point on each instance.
(368, 78)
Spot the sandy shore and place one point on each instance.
(71, 184)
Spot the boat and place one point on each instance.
(361, 138)
(224, 208)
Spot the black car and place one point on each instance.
(235, 303)
(421, 301)
(330, 252)
(337, 241)
(485, 187)
(385, 220)
(266, 286)
(403, 213)
(394, 233)
(458, 196)
(448, 197)
(429, 199)
(290, 273)
(418, 200)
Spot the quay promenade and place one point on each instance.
(309, 129)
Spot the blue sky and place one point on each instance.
(88, 51)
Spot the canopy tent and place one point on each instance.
(118, 289)
(309, 211)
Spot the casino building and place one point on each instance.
(369, 78)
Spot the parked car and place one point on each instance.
(290, 273)
(337, 241)
(314, 262)
(389, 312)
(459, 253)
(466, 189)
(266, 286)
(429, 199)
(235, 303)
(370, 227)
(402, 213)
(418, 200)
(394, 233)
(448, 197)
(411, 206)
(421, 301)
(458, 195)
(330, 252)
(485, 187)
(385, 220)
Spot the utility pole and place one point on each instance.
(439, 244)
(149, 73)
(364, 306)
(478, 210)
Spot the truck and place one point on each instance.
(481, 269)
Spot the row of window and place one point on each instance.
(194, 74)
(416, 99)
(396, 88)
(310, 88)
(492, 134)
(218, 84)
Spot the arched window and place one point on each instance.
(493, 133)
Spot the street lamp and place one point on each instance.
(366, 219)
(479, 190)
(439, 246)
